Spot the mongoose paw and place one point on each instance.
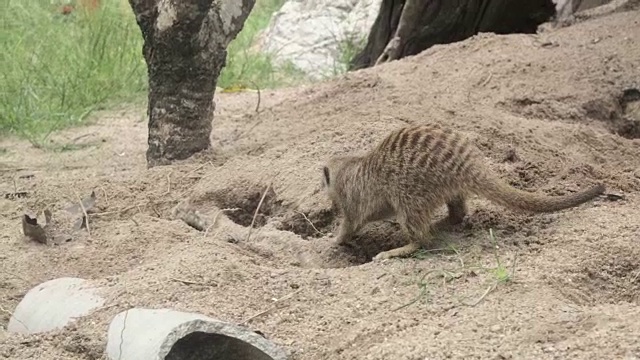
(382, 256)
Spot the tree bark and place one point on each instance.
(185, 44)
(407, 27)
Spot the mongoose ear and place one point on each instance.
(325, 170)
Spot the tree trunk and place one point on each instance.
(407, 27)
(184, 47)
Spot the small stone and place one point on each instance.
(495, 328)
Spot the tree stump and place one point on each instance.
(184, 47)
(407, 27)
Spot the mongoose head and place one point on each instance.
(336, 175)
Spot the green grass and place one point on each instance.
(56, 69)
(348, 48)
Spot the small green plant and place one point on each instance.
(500, 272)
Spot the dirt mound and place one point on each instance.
(554, 112)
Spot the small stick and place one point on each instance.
(486, 81)
(489, 289)
(272, 307)
(81, 136)
(84, 211)
(255, 214)
(168, 183)
(190, 282)
(310, 223)
(257, 88)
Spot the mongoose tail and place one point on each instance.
(495, 189)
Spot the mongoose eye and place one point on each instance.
(325, 170)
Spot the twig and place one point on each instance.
(168, 183)
(486, 81)
(257, 88)
(81, 136)
(489, 289)
(255, 214)
(84, 211)
(190, 173)
(310, 223)
(13, 169)
(190, 282)
(272, 307)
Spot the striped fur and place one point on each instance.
(415, 170)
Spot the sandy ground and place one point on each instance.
(550, 113)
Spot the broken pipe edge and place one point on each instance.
(152, 333)
(53, 305)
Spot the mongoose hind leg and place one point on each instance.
(457, 208)
(456, 212)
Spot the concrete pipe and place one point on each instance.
(53, 304)
(141, 334)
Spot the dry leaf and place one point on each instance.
(59, 228)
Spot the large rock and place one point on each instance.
(312, 34)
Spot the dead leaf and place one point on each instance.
(61, 227)
(33, 230)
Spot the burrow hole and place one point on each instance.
(242, 198)
(621, 113)
(312, 224)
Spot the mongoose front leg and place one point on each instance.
(346, 231)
